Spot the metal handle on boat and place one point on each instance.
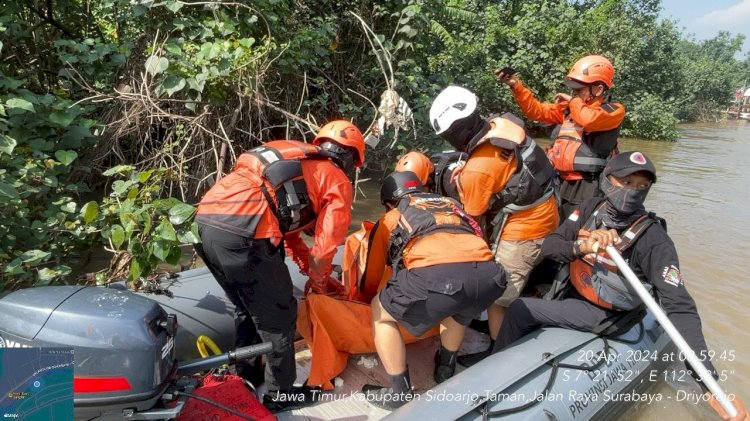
(231, 357)
(252, 351)
(673, 333)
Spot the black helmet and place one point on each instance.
(399, 184)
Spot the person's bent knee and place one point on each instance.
(511, 294)
(517, 308)
(452, 323)
(379, 313)
(375, 308)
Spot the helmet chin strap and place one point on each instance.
(346, 163)
(342, 157)
(605, 95)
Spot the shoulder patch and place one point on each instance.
(672, 276)
(610, 108)
(574, 215)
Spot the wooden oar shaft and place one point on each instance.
(672, 331)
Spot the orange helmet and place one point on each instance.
(590, 69)
(346, 134)
(418, 163)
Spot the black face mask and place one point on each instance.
(464, 131)
(624, 205)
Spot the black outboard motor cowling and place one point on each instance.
(123, 343)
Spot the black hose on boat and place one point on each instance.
(217, 404)
(487, 414)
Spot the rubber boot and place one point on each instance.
(445, 364)
(390, 398)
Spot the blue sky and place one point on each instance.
(705, 18)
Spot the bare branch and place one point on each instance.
(47, 17)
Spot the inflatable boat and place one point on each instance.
(552, 374)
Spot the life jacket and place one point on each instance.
(533, 181)
(423, 214)
(575, 151)
(445, 162)
(235, 206)
(597, 278)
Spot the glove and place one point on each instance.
(303, 264)
(320, 266)
(297, 250)
(320, 281)
(457, 172)
(324, 285)
(302, 261)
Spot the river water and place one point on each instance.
(702, 193)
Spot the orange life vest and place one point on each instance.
(533, 181)
(597, 278)
(423, 214)
(575, 152)
(269, 176)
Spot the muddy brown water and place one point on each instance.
(702, 192)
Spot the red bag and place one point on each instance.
(230, 391)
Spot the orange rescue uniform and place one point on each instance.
(424, 251)
(487, 172)
(239, 194)
(591, 117)
(336, 327)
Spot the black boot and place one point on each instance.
(468, 360)
(445, 365)
(392, 397)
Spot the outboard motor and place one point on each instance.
(123, 343)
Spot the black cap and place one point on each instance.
(626, 163)
(574, 84)
(398, 184)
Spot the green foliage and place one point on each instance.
(133, 219)
(710, 75)
(39, 228)
(651, 117)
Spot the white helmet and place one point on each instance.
(451, 105)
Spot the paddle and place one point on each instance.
(677, 338)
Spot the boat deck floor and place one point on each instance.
(346, 402)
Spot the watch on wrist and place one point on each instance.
(577, 248)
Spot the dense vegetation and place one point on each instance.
(133, 99)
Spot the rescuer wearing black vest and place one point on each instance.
(596, 290)
(431, 284)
